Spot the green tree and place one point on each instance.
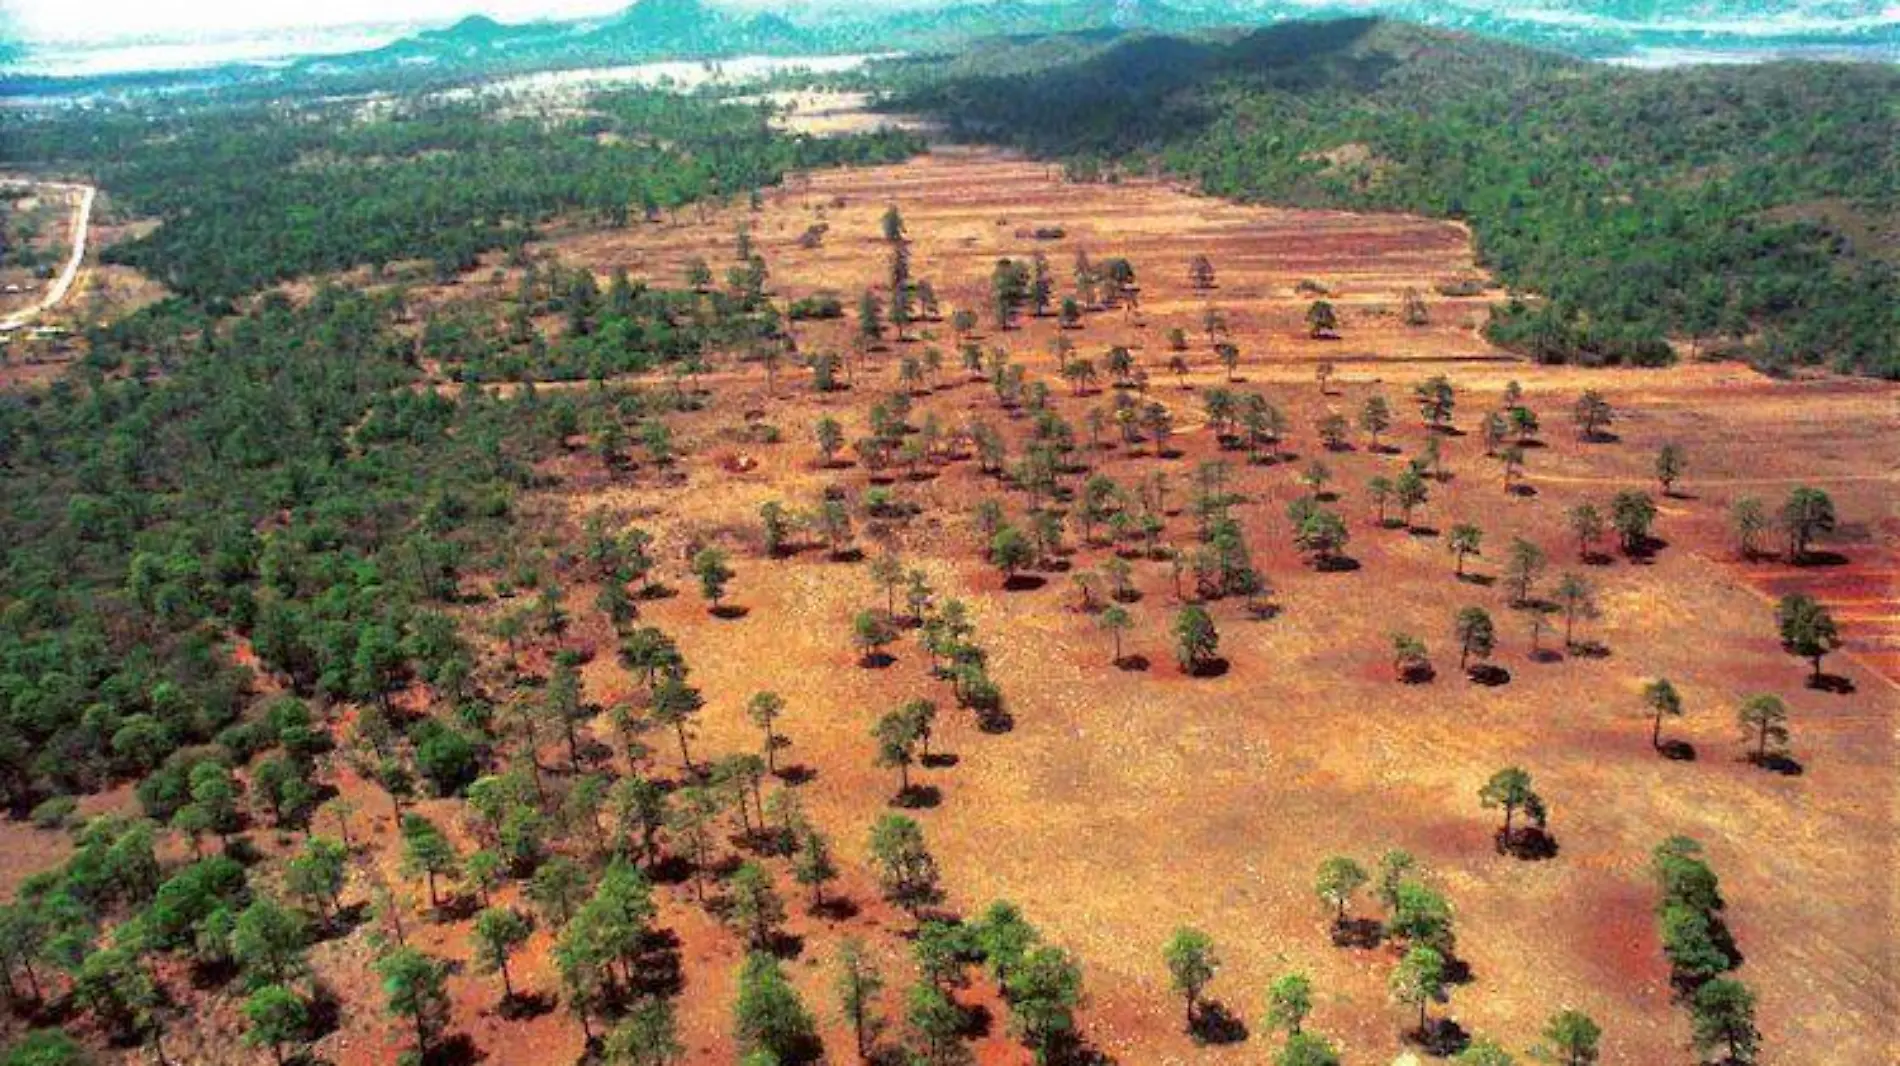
(1191, 966)
(1476, 636)
(1764, 722)
(1748, 517)
(675, 703)
(1419, 980)
(278, 1020)
(1586, 524)
(413, 988)
(1004, 936)
(316, 874)
(1671, 461)
(1722, 1015)
(906, 870)
(1510, 789)
(1195, 639)
(858, 985)
(499, 931)
(268, 942)
(1116, 621)
(714, 573)
(1043, 993)
(1592, 414)
(647, 1036)
(897, 737)
(1289, 1001)
(1577, 600)
(1663, 701)
(1321, 319)
(938, 1024)
(1522, 565)
(1807, 513)
(1305, 1049)
(812, 865)
(1464, 539)
(1375, 417)
(1573, 1037)
(1807, 630)
(768, 1015)
(1011, 550)
(1632, 514)
(755, 905)
(765, 709)
(1339, 879)
(426, 851)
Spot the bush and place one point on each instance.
(55, 813)
(46, 1047)
(446, 757)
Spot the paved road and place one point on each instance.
(82, 221)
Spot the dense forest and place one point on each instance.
(1748, 207)
(253, 194)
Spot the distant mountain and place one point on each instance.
(1651, 31)
(1591, 28)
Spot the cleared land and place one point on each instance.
(1123, 803)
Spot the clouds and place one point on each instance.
(40, 20)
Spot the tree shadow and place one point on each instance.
(730, 611)
(457, 908)
(1422, 532)
(206, 976)
(1457, 970)
(1213, 667)
(1812, 557)
(1833, 683)
(456, 1050)
(995, 721)
(671, 870)
(1677, 750)
(1420, 674)
(876, 660)
(1785, 765)
(797, 774)
(1596, 558)
(1480, 580)
(918, 798)
(1530, 843)
(1215, 1024)
(1589, 649)
(1336, 564)
(835, 908)
(323, 1013)
(786, 946)
(1441, 1038)
(1132, 663)
(1024, 582)
(1546, 655)
(1523, 490)
(1489, 675)
(657, 971)
(1363, 933)
(940, 760)
(978, 1022)
(525, 1005)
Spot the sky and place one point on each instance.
(74, 20)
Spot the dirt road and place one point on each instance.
(82, 221)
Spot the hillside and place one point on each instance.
(1751, 208)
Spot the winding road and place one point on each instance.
(82, 222)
